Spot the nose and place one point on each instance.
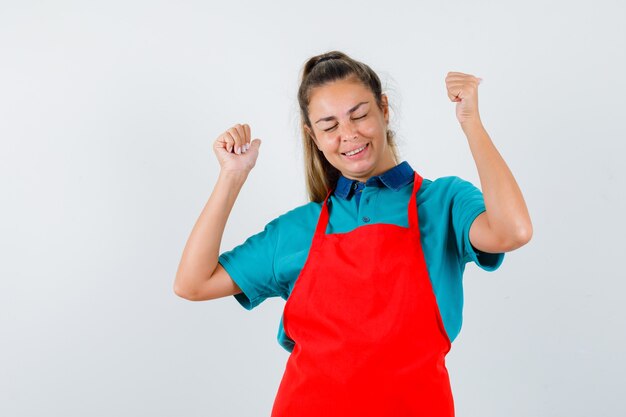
(348, 133)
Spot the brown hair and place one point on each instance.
(319, 70)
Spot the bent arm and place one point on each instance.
(506, 224)
(199, 260)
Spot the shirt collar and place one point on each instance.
(394, 178)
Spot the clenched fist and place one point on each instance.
(235, 151)
(463, 89)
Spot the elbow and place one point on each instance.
(510, 241)
(525, 233)
(184, 291)
(522, 237)
(179, 291)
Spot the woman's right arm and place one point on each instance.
(199, 275)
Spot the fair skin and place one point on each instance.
(345, 117)
(503, 227)
(506, 224)
(199, 276)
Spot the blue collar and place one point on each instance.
(394, 178)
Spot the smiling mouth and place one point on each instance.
(362, 148)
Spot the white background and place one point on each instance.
(108, 111)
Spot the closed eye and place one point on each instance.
(356, 118)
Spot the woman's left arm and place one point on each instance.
(505, 225)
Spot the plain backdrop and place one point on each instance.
(108, 113)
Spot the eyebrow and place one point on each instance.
(325, 119)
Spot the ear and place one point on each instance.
(385, 104)
(310, 133)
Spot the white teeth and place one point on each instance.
(355, 151)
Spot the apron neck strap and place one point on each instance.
(323, 220)
(417, 182)
(412, 207)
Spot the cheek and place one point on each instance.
(328, 147)
(372, 130)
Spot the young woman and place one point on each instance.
(372, 266)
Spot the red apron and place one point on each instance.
(369, 339)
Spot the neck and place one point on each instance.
(385, 166)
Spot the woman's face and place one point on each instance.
(345, 117)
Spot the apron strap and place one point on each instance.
(417, 183)
(412, 208)
(323, 220)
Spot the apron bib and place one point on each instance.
(369, 338)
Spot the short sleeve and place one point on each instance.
(467, 204)
(251, 266)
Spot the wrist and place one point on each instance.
(472, 125)
(233, 176)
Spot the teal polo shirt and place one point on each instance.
(268, 263)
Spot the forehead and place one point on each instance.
(337, 97)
